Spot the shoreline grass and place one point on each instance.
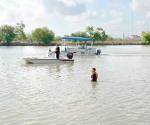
(96, 43)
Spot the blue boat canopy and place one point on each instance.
(78, 38)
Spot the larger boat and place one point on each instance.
(81, 49)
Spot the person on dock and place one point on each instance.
(94, 75)
(57, 51)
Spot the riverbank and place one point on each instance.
(96, 43)
(26, 44)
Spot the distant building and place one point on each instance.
(134, 37)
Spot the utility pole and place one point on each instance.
(123, 36)
(132, 23)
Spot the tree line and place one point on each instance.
(97, 33)
(45, 35)
(10, 33)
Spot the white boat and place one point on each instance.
(83, 49)
(47, 60)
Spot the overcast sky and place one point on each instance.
(66, 16)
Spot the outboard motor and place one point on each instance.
(69, 55)
(98, 52)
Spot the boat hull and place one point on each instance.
(47, 60)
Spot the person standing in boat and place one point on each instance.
(57, 51)
(94, 75)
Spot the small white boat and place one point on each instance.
(47, 60)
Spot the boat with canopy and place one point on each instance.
(81, 48)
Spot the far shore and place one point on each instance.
(96, 43)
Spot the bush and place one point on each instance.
(58, 38)
(43, 35)
(146, 37)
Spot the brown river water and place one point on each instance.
(64, 95)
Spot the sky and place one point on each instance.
(116, 17)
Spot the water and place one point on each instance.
(64, 95)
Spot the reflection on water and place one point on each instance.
(63, 94)
(94, 84)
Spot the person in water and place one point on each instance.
(94, 75)
(57, 51)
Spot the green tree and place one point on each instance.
(90, 31)
(110, 38)
(96, 33)
(79, 34)
(104, 36)
(43, 35)
(58, 38)
(28, 37)
(19, 30)
(7, 34)
(146, 37)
